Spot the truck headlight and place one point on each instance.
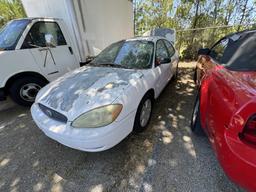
(98, 117)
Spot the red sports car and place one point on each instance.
(225, 107)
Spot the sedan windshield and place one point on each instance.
(135, 54)
(10, 33)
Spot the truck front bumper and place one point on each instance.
(2, 94)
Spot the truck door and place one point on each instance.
(35, 42)
(61, 50)
(54, 60)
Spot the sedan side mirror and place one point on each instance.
(204, 51)
(166, 60)
(162, 61)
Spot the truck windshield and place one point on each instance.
(11, 32)
(135, 54)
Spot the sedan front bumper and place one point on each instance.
(84, 139)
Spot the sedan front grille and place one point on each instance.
(53, 114)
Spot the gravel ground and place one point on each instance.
(166, 157)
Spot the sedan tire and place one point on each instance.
(143, 114)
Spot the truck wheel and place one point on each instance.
(196, 127)
(24, 90)
(143, 114)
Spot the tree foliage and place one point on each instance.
(182, 15)
(186, 15)
(10, 9)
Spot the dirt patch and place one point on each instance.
(166, 157)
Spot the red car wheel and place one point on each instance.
(196, 127)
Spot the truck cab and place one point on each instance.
(33, 52)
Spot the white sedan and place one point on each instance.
(95, 107)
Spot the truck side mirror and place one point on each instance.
(49, 40)
(204, 51)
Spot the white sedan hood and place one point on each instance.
(85, 89)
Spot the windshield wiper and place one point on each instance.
(109, 65)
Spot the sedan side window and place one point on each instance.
(162, 54)
(170, 48)
(36, 36)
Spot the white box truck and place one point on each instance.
(58, 36)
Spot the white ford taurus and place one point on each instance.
(95, 107)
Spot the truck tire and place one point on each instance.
(143, 114)
(24, 90)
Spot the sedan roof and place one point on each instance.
(147, 38)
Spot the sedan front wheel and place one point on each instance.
(143, 114)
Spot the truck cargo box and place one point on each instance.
(92, 24)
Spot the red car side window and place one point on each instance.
(218, 50)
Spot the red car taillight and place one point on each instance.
(249, 132)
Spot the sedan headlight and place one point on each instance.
(98, 117)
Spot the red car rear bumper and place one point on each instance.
(238, 160)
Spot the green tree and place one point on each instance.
(189, 16)
(10, 9)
